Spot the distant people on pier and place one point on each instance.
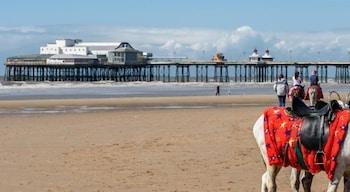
(281, 89)
(314, 91)
(297, 90)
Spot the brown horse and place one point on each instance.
(296, 91)
(314, 94)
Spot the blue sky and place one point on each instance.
(298, 30)
(269, 15)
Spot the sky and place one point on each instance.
(291, 30)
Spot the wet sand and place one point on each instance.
(136, 149)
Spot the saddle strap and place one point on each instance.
(320, 144)
(300, 156)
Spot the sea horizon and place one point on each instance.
(23, 90)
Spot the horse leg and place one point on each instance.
(306, 180)
(346, 181)
(339, 171)
(294, 180)
(269, 178)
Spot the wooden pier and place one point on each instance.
(186, 71)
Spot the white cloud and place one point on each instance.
(23, 29)
(280, 45)
(236, 44)
(171, 45)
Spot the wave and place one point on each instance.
(109, 89)
(50, 84)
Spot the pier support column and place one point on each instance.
(182, 74)
(196, 73)
(326, 74)
(240, 73)
(250, 73)
(206, 73)
(221, 75)
(215, 74)
(168, 73)
(235, 73)
(245, 73)
(188, 73)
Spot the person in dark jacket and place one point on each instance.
(314, 78)
(217, 90)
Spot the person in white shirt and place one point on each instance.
(281, 89)
(297, 80)
(298, 88)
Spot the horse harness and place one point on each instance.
(315, 128)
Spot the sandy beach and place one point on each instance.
(136, 148)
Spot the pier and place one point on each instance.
(183, 71)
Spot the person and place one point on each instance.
(314, 83)
(297, 89)
(297, 80)
(314, 78)
(281, 89)
(217, 90)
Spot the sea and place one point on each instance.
(110, 89)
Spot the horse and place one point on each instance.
(314, 94)
(307, 177)
(296, 91)
(269, 177)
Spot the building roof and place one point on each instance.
(31, 57)
(98, 44)
(126, 49)
(253, 55)
(267, 54)
(66, 56)
(98, 48)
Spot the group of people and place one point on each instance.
(282, 90)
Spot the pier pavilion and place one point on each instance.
(36, 69)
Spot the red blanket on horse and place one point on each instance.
(282, 140)
(319, 92)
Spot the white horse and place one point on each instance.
(305, 176)
(269, 177)
(312, 91)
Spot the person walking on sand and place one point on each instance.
(217, 90)
(281, 89)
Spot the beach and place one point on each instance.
(137, 144)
